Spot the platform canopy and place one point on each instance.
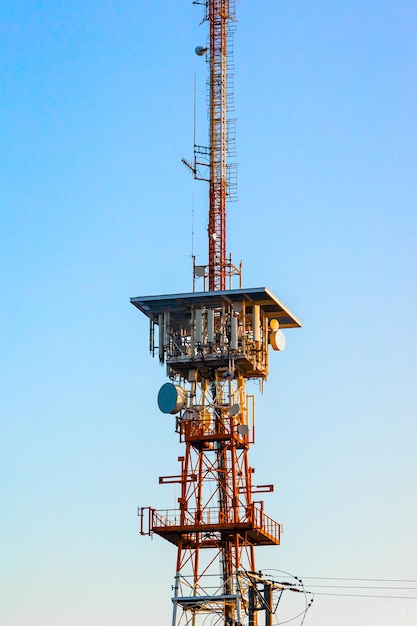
(180, 304)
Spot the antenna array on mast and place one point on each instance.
(211, 162)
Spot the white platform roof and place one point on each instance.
(180, 304)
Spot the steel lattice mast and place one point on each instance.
(212, 342)
(221, 176)
(219, 15)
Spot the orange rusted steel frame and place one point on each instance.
(233, 526)
(218, 13)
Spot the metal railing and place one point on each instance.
(209, 518)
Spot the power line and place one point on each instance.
(376, 580)
(363, 587)
(362, 595)
(393, 585)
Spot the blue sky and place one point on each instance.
(96, 111)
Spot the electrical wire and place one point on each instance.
(363, 595)
(362, 587)
(303, 613)
(395, 586)
(373, 580)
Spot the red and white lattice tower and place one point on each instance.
(212, 342)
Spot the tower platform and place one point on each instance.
(205, 528)
(203, 330)
(180, 304)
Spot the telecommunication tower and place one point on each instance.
(212, 342)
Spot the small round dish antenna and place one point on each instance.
(277, 339)
(274, 324)
(171, 398)
(200, 51)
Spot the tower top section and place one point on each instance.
(211, 163)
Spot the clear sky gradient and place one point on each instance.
(96, 111)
